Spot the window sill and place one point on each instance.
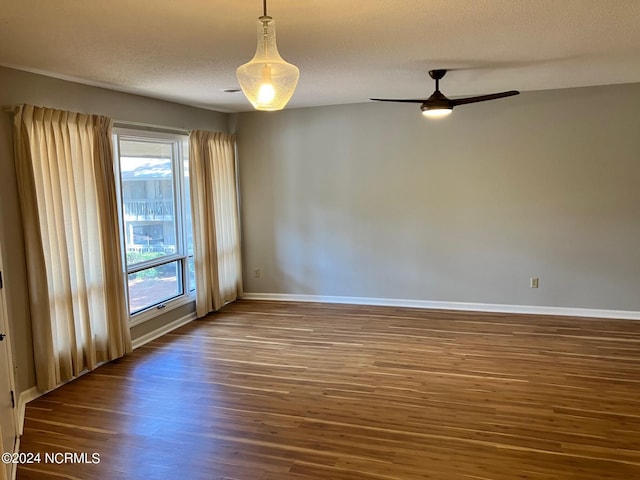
(155, 312)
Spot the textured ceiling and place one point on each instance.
(347, 50)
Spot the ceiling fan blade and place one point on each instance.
(483, 98)
(401, 100)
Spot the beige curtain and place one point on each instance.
(216, 225)
(64, 165)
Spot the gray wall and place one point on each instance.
(373, 200)
(20, 87)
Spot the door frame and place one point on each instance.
(6, 344)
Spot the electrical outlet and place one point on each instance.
(534, 282)
(256, 273)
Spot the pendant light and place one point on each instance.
(267, 80)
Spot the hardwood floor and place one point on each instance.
(284, 391)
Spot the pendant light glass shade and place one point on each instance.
(267, 81)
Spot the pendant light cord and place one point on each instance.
(264, 25)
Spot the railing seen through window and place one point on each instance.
(155, 215)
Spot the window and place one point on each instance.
(155, 216)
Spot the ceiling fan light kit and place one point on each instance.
(268, 81)
(438, 105)
(434, 112)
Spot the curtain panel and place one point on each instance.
(64, 166)
(216, 224)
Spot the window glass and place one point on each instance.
(154, 286)
(148, 205)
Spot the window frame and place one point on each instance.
(178, 142)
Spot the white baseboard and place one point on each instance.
(427, 304)
(24, 398)
(148, 337)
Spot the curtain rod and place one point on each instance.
(122, 123)
(149, 126)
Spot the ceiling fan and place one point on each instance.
(437, 105)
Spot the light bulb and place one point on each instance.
(266, 92)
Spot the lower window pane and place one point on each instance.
(154, 286)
